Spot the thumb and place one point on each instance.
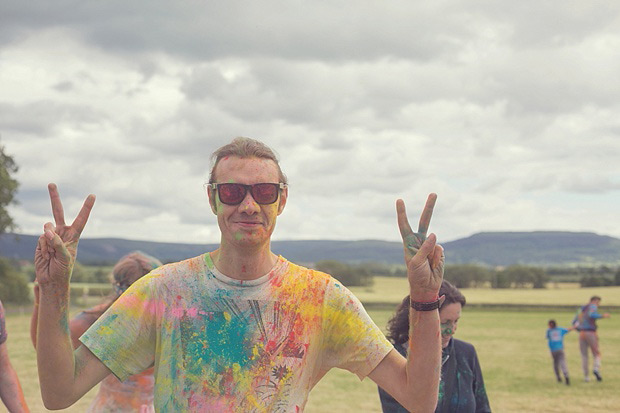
(427, 249)
(428, 246)
(58, 245)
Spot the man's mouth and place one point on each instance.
(249, 223)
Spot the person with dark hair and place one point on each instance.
(135, 394)
(461, 388)
(238, 329)
(585, 322)
(11, 392)
(555, 337)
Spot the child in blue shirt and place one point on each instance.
(555, 336)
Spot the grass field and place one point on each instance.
(511, 346)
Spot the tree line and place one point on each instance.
(14, 276)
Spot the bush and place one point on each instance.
(500, 280)
(349, 275)
(81, 275)
(13, 284)
(467, 275)
(595, 281)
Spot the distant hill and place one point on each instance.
(541, 248)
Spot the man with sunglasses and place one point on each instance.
(238, 328)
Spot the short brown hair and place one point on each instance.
(245, 148)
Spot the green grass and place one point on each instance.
(511, 346)
(516, 366)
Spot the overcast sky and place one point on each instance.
(509, 111)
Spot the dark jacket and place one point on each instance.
(463, 392)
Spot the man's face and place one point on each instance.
(248, 223)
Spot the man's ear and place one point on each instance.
(212, 200)
(283, 197)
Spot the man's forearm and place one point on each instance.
(424, 359)
(11, 391)
(55, 358)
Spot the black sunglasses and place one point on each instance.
(233, 194)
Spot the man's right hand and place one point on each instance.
(57, 246)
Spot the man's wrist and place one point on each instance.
(423, 296)
(427, 305)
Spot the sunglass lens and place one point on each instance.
(265, 193)
(231, 194)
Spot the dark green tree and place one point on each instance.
(8, 188)
(519, 275)
(501, 280)
(81, 274)
(13, 284)
(467, 275)
(539, 277)
(349, 275)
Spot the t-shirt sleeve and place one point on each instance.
(593, 312)
(123, 338)
(351, 341)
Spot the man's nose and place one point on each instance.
(249, 205)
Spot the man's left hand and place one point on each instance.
(424, 258)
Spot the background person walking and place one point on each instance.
(555, 337)
(585, 322)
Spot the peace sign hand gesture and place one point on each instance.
(423, 256)
(57, 246)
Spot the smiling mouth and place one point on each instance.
(249, 223)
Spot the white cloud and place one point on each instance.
(508, 113)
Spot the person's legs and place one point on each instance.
(583, 349)
(563, 366)
(556, 364)
(596, 355)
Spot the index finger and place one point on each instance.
(403, 222)
(59, 213)
(80, 221)
(427, 213)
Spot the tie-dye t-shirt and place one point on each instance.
(225, 345)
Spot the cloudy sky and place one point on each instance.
(509, 111)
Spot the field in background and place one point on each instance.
(393, 289)
(511, 345)
(516, 366)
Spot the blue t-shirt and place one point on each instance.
(586, 317)
(556, 338)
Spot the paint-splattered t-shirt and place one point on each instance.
(135, 394)
(220, 344)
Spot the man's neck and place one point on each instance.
(243, 263)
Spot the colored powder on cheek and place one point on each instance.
(447, 329)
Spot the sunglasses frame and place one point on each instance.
(250, 188)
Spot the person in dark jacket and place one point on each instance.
(461, 388)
